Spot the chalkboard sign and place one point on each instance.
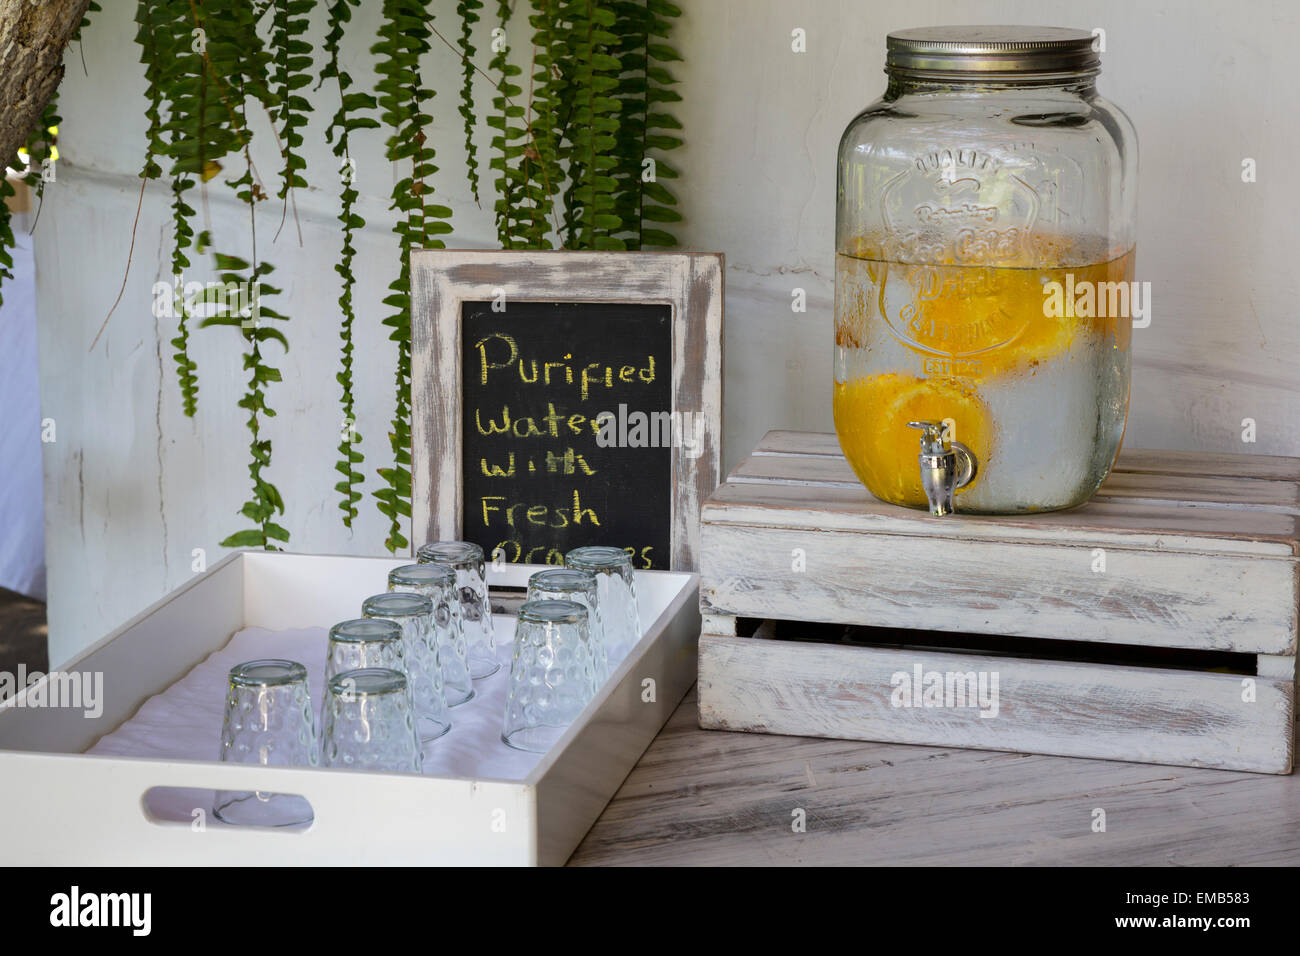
(565, 398)
(567, 429)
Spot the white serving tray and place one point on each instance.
(61, 806)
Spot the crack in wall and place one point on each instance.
(81, 494)
(780, 270)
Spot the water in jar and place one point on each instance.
(1041, 399)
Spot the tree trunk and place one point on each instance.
(33, 34)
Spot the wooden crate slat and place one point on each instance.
(1231, 494)
(1043, 590)
(780, 441)
(1201, 553)
(1281, 666)
(830, 470)
(1212, 464)
(1096, 524)
(1116, 713)
(1169, 490)
(721, 624)
(1154, 461)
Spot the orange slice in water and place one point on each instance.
(871, 416)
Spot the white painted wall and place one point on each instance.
(132, 486)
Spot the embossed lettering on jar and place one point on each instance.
(989, 170)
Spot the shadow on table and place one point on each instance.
(22, 634)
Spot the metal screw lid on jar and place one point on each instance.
(991, 52)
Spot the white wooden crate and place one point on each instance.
(1201, 560)
(61, 806)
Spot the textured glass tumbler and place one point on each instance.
(412, 612)
(552, 674)
(269, 721)
(438, 584)
(616, 587)
(571, 584)
(365, 642)
(369, 722)
(466, 560)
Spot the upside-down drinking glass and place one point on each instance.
(466, 559)
(369, 722)
(616, 588)
(438, 584)
(269, 721)
(365, 642)
(552, 674)
(572, 584)
(412, 612)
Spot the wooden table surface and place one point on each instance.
(714, 798)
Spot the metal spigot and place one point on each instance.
(945, 466)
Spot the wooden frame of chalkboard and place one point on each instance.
(445, 282)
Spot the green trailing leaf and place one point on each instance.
(549, 115)
(640, 196)
(236, 65)
(580, 161)
(469, 15)
(508, 141)
(173, 76)
(527, 144)
(92, 7)
(153, 42)
(6, 235)
(291, 55)
(556, 87)
(160, 26)
(403, 39)
(347, 120)
(598, 111)
(595, 125)
(239, 299)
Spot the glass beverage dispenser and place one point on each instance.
(983, 278)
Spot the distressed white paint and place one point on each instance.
(1038, 589)
(1144, 714)
(887, 804)
(132, 486)
(1191, 561)
(1206, 563)
(442, 281)
(392, 819)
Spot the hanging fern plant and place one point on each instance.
(509, 142)
(292, 58)
(348, 119)
(469, 15)
(403, 39)
(579, 162)
(647, 130)
(166, 51)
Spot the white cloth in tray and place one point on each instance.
(184, 721)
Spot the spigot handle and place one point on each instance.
(945, 466)
(934, 440)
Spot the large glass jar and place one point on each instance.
(979, 200)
